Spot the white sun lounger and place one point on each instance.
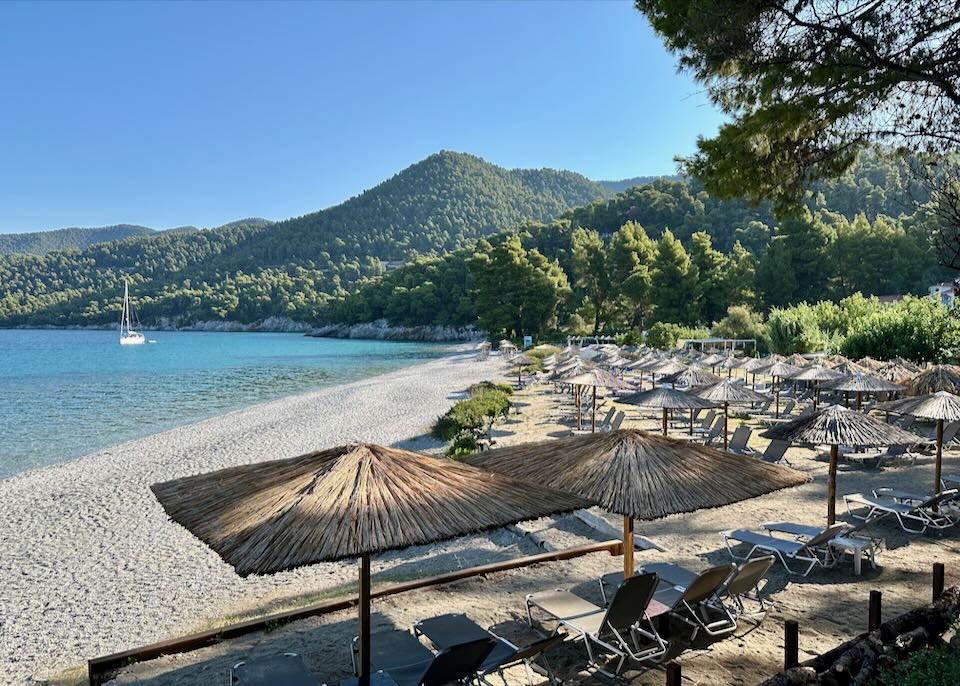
(923, 513)
(814, 552)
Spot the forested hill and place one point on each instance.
(442, 203)
(251, 271)
(40, 242)
(624, 184)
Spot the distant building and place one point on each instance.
(945, 293)
(889, 299)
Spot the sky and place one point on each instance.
(175, 114)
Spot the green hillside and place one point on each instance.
(250, 271)
(41, 242)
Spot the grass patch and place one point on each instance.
(935, 666)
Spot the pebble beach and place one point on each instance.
(90, 564)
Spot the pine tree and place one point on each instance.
(673, 284)
(710, 265)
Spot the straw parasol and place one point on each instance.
(817, 374)
(667, 399)
(860, 383)
(778, 371)
(664, 369)
(941, 406)
(798, 360)
(693, 377)
(726, 393)
(871, 363)
(835, 426)
(751, 366)
(521, 361)
(347, 502)
(940, 377)
(711, 360)
(595, 378)
(639, 475)
(730, 363)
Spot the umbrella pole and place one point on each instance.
(627, 546)
(939, 465)
(832, 486)
(726, 411)
(691, 421)
(664, 421)
(593, 412)
(364, 607)
(576, 393)
(859, 400)
(776, 394)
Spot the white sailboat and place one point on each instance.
(127, 335)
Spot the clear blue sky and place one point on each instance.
(184, 113)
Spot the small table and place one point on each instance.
(857, 547)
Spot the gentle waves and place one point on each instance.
(67, 393)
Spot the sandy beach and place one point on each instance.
(831, 605)
(91, 565)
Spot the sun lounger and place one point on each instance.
(286, 669)
(813, 552)
(739, 440)
(624, 629)
(925, 513)
(692, 598)
(877, 460)
(775, 452)
(714, 432)
(408, 662)
(704, 425)
(854, 539)
(447, 631)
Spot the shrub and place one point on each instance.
(666, 335)
(917, 329)
(936, 666)
(468, 418)
(796, 330)
(740, 322)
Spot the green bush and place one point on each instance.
(936, 666)
(741, 322)
(467, 418)
(666, 335)
(917, 329)
(797, 330)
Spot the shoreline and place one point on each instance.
(92, 565)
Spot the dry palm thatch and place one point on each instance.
(780, 370)
(637, 474)
(906, 363)
(732, 393)
(711, 360)
(693, 377)
(940, 406)
(863, 383)
(728, 393)
(836, 426)
(570, 368)
(667, 368)
(346, 502)
(521, 360)
(753, 364)
(667, 399)
(595, 377)
(941, 377)
(798, 360)
(730, 362)
(850, 368)
(870, 363)
(817, 373)
(894, 372)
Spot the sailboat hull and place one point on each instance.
(132, 338)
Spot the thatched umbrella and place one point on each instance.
(693, 377)
(862, 383)
(726, 393)
(895, 372)
(347, 502)
(595, 378)
(521, 361)
(870, 363)
(941, 406)
(817, 374)
(506, 347)
(730, 363)
(752, 365)
(940, 377)
(835, 426)
(779, 371)
(667, 399)
(664, 369)
(711, 360)
(798, 360)
(639, 475)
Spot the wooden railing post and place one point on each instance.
(873, 622)
(791, 644)
(938, 580)
(673, 674)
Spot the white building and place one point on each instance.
(945, 293)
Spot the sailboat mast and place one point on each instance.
(125, 317)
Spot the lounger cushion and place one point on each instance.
(581, 615)
(671, 573)
(884, 504)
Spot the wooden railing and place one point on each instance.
(100, 669)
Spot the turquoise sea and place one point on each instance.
(66, 393)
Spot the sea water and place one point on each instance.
(67, 393)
